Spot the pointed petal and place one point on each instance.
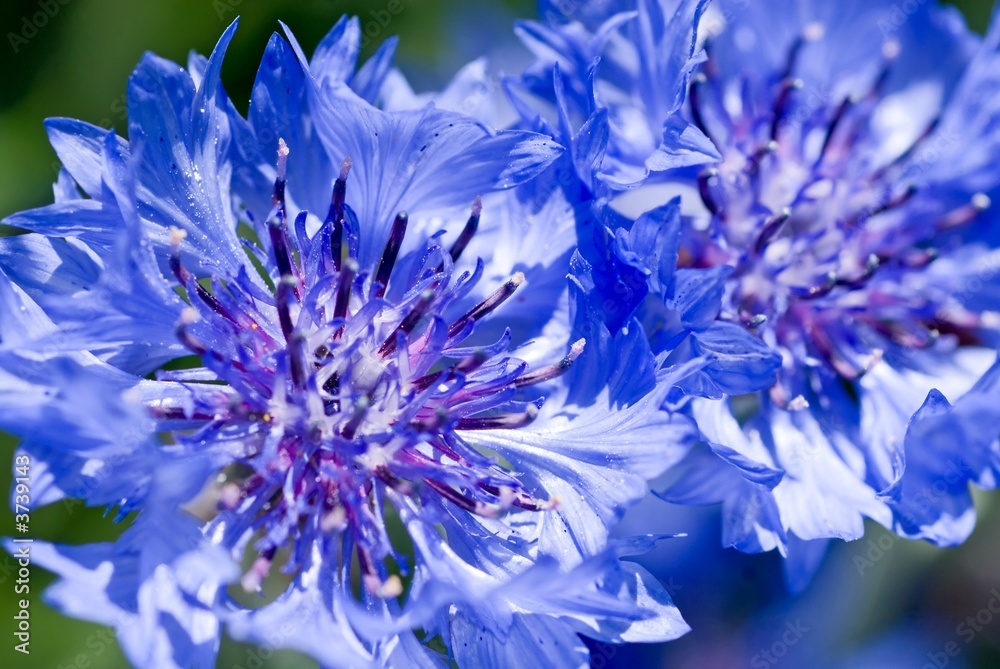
(740, 362)
(399, 159)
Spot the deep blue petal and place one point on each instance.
(740, 363)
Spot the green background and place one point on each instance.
(77, 65)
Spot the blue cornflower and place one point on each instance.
(616, 73)
(835, 184)
(348, 378)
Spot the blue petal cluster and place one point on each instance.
(328, 353)
(798, 194)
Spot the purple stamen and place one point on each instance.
(552, 371)
(504, 421)
(339, 412)
(390, 253)
(335, 216)
(408, 324)
(489, 304)
(468, 231)
(344, 282)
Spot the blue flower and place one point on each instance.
(617, 73)
(839, 248)
(366, 354)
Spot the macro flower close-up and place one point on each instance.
(835, 243)
(614, 333)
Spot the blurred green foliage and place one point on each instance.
(76, 62)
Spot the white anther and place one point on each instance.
(177, 235)
(814, 31)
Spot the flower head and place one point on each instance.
(836, 254)
(821, 207)
(358, 365)
(347, 380)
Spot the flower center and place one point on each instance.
(818, 219)
(346, 386)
